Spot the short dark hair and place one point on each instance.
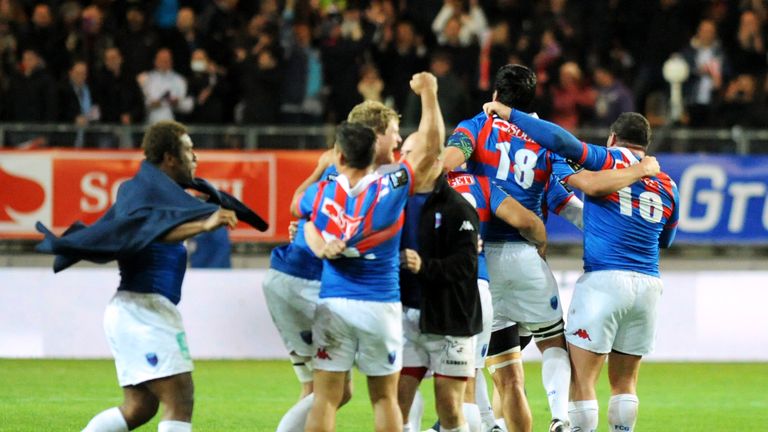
(161, 138)
(515, 86)
(633, 129)
(357, 143)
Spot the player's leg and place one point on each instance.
(138, 407)
(506, 367)
(328, 394)
(407, 387)
(452, 358)
(623, 370)
(555, 370)
(583, 408)
(176, 395)
(477, 391)
(449, 393)
(415, 363)
(382, 391)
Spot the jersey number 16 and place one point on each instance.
(649, 205)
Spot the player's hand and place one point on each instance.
(411, 260)
(650, 166)
(293, 228)
(423, 81)
(479, 245)
(222, 217)
(333, 249)
(498, 108)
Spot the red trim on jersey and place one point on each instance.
(368, 221)
(318, 197)
(482, 137)
(560, 206)
(381, 236)
(411, 177)
(584, 152)
(666, 184)
(469, 135)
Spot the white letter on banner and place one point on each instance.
(93, 185)
(741, 193)
(711, 199)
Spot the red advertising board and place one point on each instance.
(58, 187)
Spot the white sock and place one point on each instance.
(174, 426)
(407, 427)
(462, 428)
(296, 418)
(416, 412)
(500, 422)
(472, 415)
(583, 415)
(110, 420)
(556, 376)
(481, 397)
(622, 412)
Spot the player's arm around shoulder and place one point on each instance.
(326, 160)
(608, 181)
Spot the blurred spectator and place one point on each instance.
(118, 95)
(208, 89)
(43, 36)
(453, 100)
(183, 39)
(32, 95)
(9, 48)
(451, 43)
(748, 51)
(76, 102)
(260, 88)
(546, 58)
(138, 42)
(370, 85)
(494, 53)
(300, 93)
(12, 11)
(571, 99)
(90, 42)
(741, 105)
(399, 59)
(165, 13)
(707, 62)
(613, 97)
(165, 91)
(222, 20)
(471, 22)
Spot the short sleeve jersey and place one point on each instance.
(505, 154)
(369, 218)
(485, 197)
(556, 194)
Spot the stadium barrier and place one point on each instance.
(723, 198)
(225, 315)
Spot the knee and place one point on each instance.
(510, 381)
(136, 412)
(346, 396)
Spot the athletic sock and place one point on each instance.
(622, 412)
(296, 418)
(174, 426)
(416, 412)
(500, 422)
(583, 415)
(481, 397)
(110, 420)
(472, 415)
(462, 428)
(556, 376)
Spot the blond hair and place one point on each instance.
(374, 115)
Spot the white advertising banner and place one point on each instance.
(704, 316)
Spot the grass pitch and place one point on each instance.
(62, 395)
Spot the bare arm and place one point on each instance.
(186, 230)
(453, 157)
(319, 246)
(530, 226)
(431, 132)
(326, 159)
(600, 183)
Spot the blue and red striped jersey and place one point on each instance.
(556, 194)
(519, 165)
(369, 218)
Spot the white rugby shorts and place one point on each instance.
(368, 333)
(292, 302)
(484, 338)
(614, 310)
(523, 288)
(451, 356)
(146, 336)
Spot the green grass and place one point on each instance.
(62, 395)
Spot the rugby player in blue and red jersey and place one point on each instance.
(613, 311)
(523, 288)
(355, 225)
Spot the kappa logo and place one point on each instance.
(322, 354)
(583, 334)
(18, 196)
(347, 224)
(467, 226)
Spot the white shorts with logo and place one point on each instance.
(484, 338)
(146, 336)
(292, 302)
(349, 331)
(614, 310)
(523, 288)
(451, 356)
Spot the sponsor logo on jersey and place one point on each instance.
(322, 354)
(574, 166)
(467, 226)
(398, 178)
(583, 334)
(151, 358)
(347, 224)
(463, 180)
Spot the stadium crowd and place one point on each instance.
(306, 62)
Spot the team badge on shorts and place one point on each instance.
(151, 358)
(392, 356)
(553, 302)
(306, 336)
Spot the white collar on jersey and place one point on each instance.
(364, 182)
(629, 156)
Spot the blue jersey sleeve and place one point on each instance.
(670, 228)
(557, 194)
(497, 197)
(307, 201)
